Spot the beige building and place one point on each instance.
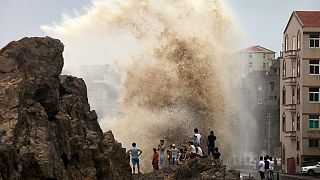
(300, 83)
(253, 58)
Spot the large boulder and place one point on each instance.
(47, 130)
(199, 168)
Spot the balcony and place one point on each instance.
(290, 54)
(291, 81)
(291, 134)
(290, 107)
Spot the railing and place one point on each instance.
(290, 107)
(290, 80)
(291, 134)
(290, 54)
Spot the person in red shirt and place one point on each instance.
(155, 159)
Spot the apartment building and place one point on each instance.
(300, 83)
(253, 58)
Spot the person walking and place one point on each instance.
(261, 168)
(266, 166)
(135, 153)
(161, 149)
(155, 159)
(271, 167)
(211, 144)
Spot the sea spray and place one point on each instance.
(172, 55)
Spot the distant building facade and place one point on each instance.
(300, 84)
(253, 58)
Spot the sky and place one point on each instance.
(263, 21)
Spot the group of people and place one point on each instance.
(266, 167)
(174, 155)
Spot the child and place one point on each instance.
(216, 154)
(174, 155)
(155, 159)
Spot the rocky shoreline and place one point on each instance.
(48, 131)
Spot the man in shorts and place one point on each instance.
(135, 153)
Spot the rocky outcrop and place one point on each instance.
(195, 169)
(47, 130)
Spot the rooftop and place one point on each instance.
(257, 48)
(308, 18)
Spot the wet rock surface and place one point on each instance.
(195, 169)
(47, 130)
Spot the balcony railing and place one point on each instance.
(291, 134)
(290, 107)
(290, 54)
(292, 81)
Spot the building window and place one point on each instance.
(283, 123)
(259, 101)
(264, 65)
(298, 121)
(298, 40)
(283, 155)
(293, 69)
(250, 55)
(314, 40)
(292, 123)
(294, 43)
(284, 69)
(298, 67)
(286, 43)
(298, 94)
(298, 145)
(250, 64)
(313, 143)
(260, 88)
(298, 159)
(283, 95)
(264, 55)
(314, 94)
(314, 67)
(272, 86)
(275, 70)
(314, 121)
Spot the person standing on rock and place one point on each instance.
(211, 144)
(161, 149)
(198, 140)
(261, 167)
(155, 159)
(135, 153)
(174, 155)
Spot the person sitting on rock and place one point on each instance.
(155, 159)
(135, 153)
(216, 154)
(199, 151)
(191, 153)
(174, 155)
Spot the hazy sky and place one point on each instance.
(262, 20)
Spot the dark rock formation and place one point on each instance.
(195, 169)
(47, 130)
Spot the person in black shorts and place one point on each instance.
(211, 144)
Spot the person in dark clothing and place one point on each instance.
(211, 144)
(266, 165)
(216, 154)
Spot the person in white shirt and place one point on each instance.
(196, 133)
(271, 166)
(261, 167)
(191, 153)
(199, 151)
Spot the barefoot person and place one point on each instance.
(135, 153)
(211, 144)
(161, 149)
(155, 159)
